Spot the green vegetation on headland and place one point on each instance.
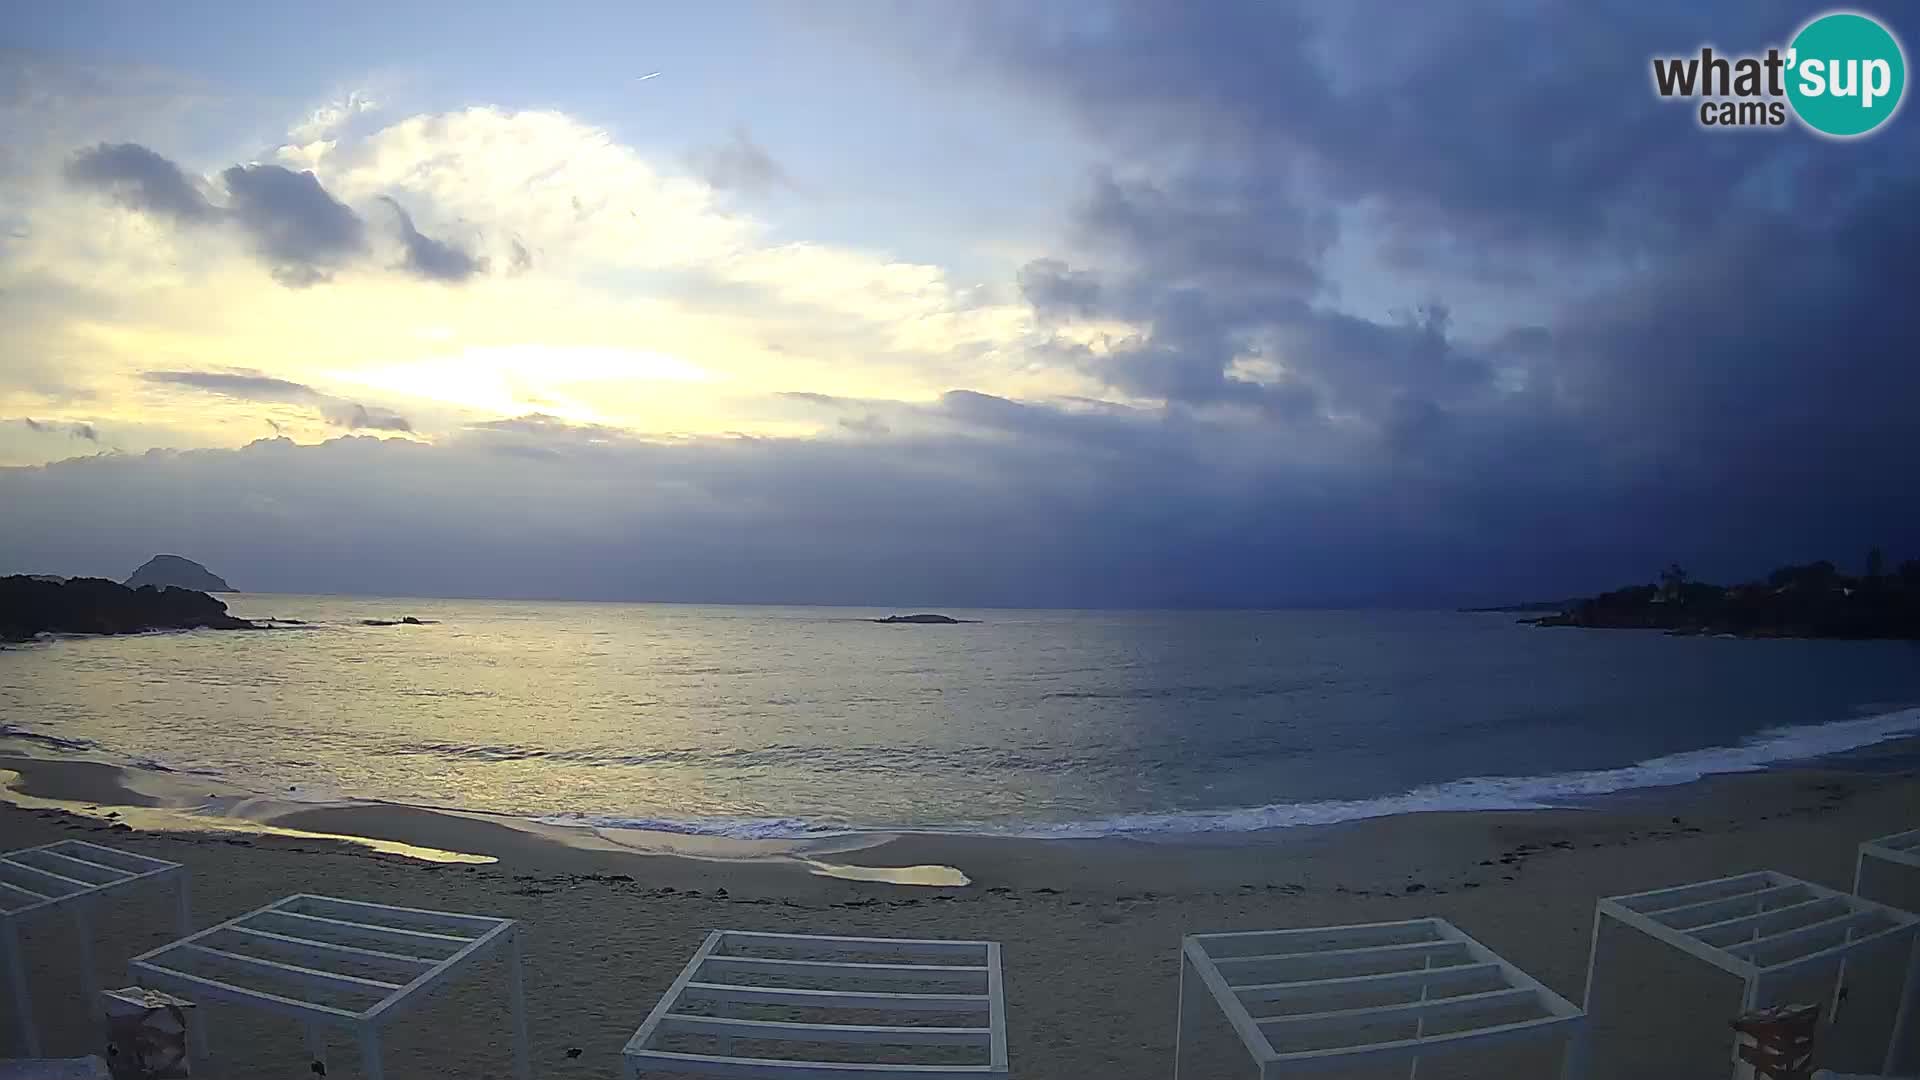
(1813, 600)
(30, 606)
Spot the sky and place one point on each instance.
(993, 304)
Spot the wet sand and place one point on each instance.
(1090, 927)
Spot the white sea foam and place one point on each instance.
(1771, 747)
(738, 828)
(1761, 750)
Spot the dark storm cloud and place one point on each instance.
(434, 259)
(742, 165)
(339, 412)
(864, 425)
(357, 417)
(1231, 233)
(142, 180)
(1508, 124)
(1728, 377)
(295, 225)
(1052, 287)
(303, 232)
(75, 429)
(232, 384)
(547, 429)
(987, 500)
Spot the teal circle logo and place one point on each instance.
(1846, 74)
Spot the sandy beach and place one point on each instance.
(1090, 927)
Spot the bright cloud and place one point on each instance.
(460, 266)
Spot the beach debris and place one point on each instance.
(1776, 1043)
(146, 1034)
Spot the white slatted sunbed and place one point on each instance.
(74, 875)
(1900, 849)
(811, 992)
(1372, 994)
(336, 963)
(1767, 928)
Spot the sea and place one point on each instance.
(802, 721)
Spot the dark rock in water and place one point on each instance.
(29, 607)
(411, 621)
(941, 620)
(407, 621)
(162, 571)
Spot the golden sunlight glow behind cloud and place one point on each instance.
(509, 380)
(617, 291)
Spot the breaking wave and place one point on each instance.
(1763, 749)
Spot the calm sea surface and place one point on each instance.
(784, 721)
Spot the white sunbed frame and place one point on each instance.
(73, 874)
(1345, 951)
(1733, 922)
(1901, 849)
(718, 974)
(372, 935)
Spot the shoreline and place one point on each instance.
(126, 798)
(1090, 927)
(1892, 735)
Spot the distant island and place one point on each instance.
(937, 620)
(30, 606)
(162, 571)
(1812, 600)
